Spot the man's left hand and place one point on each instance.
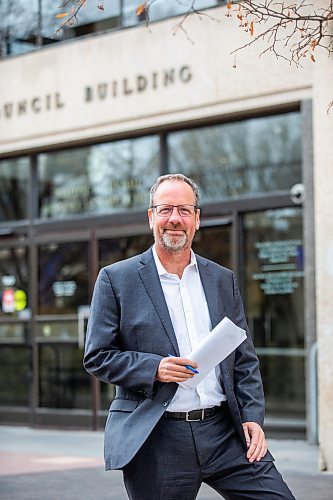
(255, 440)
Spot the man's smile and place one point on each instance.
(175, 232)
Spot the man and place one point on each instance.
(148, 312)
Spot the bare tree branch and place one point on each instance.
(75, 7)
(297, 27)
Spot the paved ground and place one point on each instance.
(39, 464)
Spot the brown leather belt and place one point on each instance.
(194, 415)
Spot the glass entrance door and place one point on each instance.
(64, 393)
(273, 280)
(214, 243)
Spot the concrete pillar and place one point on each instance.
(323, 189)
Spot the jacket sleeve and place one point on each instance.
(247, 379)
(104, 356)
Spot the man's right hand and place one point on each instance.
(172, 369)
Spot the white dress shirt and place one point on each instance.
(190, 319)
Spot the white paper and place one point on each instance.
(221, 341)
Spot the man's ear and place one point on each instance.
(197, 222)
(150, 218)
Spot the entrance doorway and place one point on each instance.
(273, 293)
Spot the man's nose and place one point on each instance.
(174, 217)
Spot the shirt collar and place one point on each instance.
(160, 269)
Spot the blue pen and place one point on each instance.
(189, 367)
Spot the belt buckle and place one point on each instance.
(188, 419)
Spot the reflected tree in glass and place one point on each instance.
(64, 183)
(162, 9)
(14, 175)
(121, 173)
(99, 179)
(242, 158)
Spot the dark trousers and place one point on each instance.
(178, 456)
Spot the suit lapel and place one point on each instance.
(213, 292)
(217, 306)
(151, 281)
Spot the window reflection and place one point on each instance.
(14, 281)
(14, 332)
(63, 382)
(18, 23)
(15, 375)
(274, 277)
(162, 9)
(26, 26)
(63, 277)
(250, 157)
(92, 19)
(108, 392)
(61, 331)
(99, 179)
(14, 175)
(283, 379)
(214, 244)
(115, 249)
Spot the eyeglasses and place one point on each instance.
(183, 210)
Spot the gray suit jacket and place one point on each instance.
(130, 330)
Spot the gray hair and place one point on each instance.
(174, 177)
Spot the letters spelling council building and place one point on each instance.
(87, 123)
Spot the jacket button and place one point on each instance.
(165, 403)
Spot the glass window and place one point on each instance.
(18, 26)
(161, 9)
(63, 278)
(243, 158)
(61, 331)
(284, 384)
(113, 250)
(26, 26)
(14, 332)
(15, 375)
(108, 392)
(90, 18)
(14, 282)
(14, 176)
(63, 382)
(214, 244)
(273, 279)
(104, 178)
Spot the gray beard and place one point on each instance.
(171, 246)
